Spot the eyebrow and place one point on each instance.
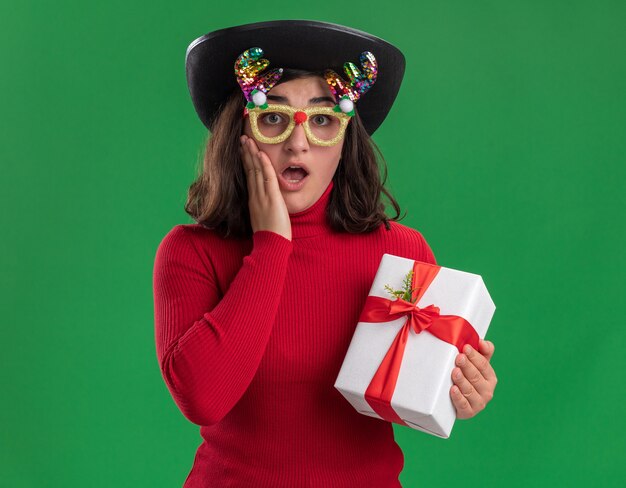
(313, 100)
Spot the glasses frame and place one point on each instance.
(257, 111)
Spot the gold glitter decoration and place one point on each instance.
(290, 111)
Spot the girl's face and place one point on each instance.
(301, 188)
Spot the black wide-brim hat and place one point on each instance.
(296, 44)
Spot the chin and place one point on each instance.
(295, 205)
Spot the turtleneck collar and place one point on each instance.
(312, 221)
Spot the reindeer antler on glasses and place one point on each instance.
(254, 85)
(347, 93)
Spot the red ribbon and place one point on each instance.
(452, 329)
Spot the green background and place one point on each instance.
(506, 146)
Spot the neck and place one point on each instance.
(312, 221)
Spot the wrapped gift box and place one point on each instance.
(416, 392)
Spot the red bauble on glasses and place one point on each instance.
(299, 117)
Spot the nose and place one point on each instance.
(297, 141)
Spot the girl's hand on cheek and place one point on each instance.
(267, 205)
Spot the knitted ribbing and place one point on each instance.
(250, 336)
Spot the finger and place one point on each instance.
(481, 362)
(252, 148)
(249, 170)
(474, 377)
(255, 173)
(486, 348)
(468, 391)
(258, 174)
(248, 153)
(245, 154)
(461, 404)
(247, 157)
(269, 175)
(254, 155)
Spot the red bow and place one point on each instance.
(452, 329)
(419, 319)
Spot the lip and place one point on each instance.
(295, 163)
(285, 184)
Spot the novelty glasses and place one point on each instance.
(323, 126)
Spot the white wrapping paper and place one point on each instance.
(422, 394)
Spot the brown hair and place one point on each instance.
(218, 199)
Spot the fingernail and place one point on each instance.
(461, 360)
(467, 349)
(457, 374)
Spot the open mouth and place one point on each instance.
(294, 174)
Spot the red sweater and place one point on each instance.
(250, 336)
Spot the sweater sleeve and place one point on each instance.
(427, 253)
(413, 245)
(209, 346)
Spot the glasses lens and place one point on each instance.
(324, 126)
(272, 124)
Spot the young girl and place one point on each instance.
(256, 304)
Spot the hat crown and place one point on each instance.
(299, 44)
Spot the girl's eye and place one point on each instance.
(272, 119)
(321, 120)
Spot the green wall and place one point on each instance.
(506, 147)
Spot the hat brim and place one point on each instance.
(297, 44)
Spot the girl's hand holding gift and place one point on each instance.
(474, 380)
